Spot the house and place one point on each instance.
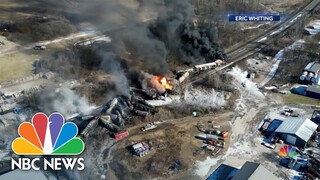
(249, 171)
(313, 91)
(296, 131)
(311, 74)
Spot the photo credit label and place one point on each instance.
(253, 17)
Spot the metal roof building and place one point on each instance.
(313, 67)
(249, 171)
(313, 91)
(254, 171)
(311, 74)
(296, 131)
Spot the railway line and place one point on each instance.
(255, 44)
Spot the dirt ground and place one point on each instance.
(282, 6)
(171, 140)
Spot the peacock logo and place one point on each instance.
(48, 136)
(288, 151)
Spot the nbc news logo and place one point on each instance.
(47, 136)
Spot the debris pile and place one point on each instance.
(213, 138)
(119, 109)
(7, 103)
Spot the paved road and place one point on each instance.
(255, 44)
(70, 37)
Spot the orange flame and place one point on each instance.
(165, 83)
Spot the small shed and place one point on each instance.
(296, 131)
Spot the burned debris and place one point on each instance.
(114, 115)
(90, 127)
(120, 108)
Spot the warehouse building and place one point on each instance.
(249, 171)
(313, 91)
(296, 131)
(253, 171)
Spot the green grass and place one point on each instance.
(297, 99)
(16, 65)
(13, 10)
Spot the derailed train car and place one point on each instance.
(208, 66)
(184, 74)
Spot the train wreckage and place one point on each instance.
(115, 113)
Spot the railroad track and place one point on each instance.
(255, 44)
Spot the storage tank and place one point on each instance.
(310, 75)
(305, 73)
(303, 76)
(90, 127)
(184, 77)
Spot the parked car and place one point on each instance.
(148, 126)
(40, 47)
(269, 145)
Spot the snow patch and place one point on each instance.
(203, 167)
(254, 27)
(206, 98)
(246, 85)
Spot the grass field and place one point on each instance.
(10, 9)
(18, 64)
(297, 99)
(14, 65)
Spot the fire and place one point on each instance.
(165, 83)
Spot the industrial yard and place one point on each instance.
(158, 91)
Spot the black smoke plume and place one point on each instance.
(145, 32)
